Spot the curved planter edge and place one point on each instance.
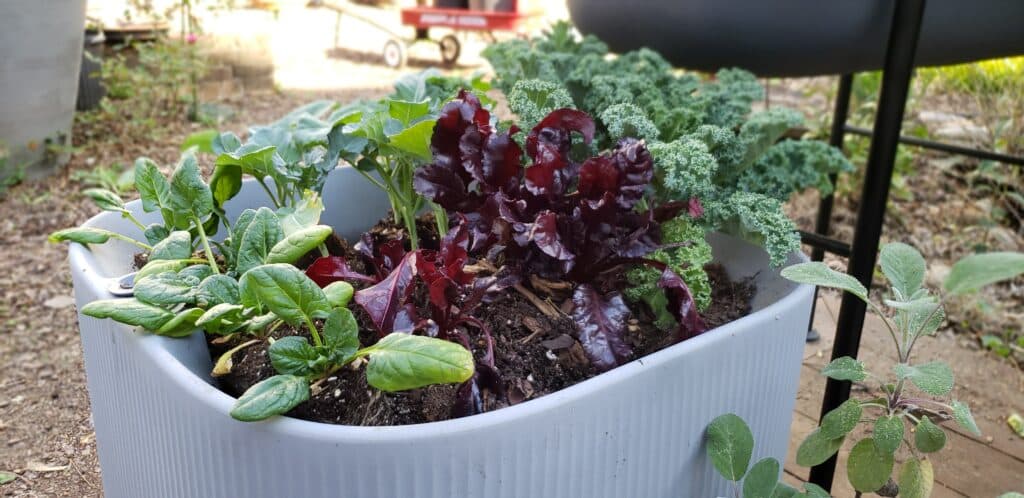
(163, 429)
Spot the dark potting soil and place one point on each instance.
(535, 353)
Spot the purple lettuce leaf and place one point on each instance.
(601, 326)
(329, 269)
(384, 300)
(681, 305)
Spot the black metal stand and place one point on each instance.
(885, 138)
(898, 69)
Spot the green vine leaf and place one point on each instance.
(292, 355)
(295, 246)
(189, 195)
(260, 235)
(182, 325)
(730, 445)
(341, 335)
(81, 235)
(339, 293)
(165, 289)
(105, 199)
(867, 468)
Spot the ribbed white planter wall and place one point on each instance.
(637, 431)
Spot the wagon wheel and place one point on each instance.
(450, 49)
(394, 53)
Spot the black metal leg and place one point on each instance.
(897, 72)
(821, 225)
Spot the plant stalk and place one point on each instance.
(313, 332)
(130, 240)
(206, 245)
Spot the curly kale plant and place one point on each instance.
(685, 252)
(743, 170)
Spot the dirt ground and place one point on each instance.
(46, 434)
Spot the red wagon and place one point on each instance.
(511, 18)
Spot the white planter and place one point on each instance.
(636, 431)
(40, 55)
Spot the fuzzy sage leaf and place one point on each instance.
(730, 445)
(935, 377)
(903, 266)
(963, 417)
(839, 422)
(929, 437)
(816, 448)
(817, 273)
(762, 479)
(916, 478)
(888, 433)
(845, 368)
(978, 270)
(868, 468)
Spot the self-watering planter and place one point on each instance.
(163, 427)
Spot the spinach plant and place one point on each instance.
(185, 202)
(914, 312)
(398, 361)
(173, 294)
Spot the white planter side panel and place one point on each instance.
(636, 431)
